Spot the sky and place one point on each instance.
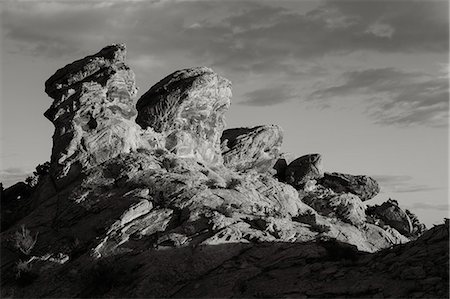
(364, 83)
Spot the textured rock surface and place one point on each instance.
(391, 214)
(93, 112)
(363, 186)
(347, 207)
(252, 148)
(188, 108)
(303, 169)
(155, 215)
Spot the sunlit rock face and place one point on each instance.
(187, 108)
(364, 186)
(252, 148)
(93, 112)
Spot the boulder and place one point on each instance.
(93, 113)
(252, 148)
(303, 169)
(363, 186)
(347, 207)
(187, 107)
(391, 214)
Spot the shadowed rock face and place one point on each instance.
(365, 187)
(252, 148)
(391, 214)
(188, 108)
(93, 112)
(303, 169)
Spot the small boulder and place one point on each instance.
(303, 169)
(252, 148)
(363, 186)
(391, 214)
(187, 107)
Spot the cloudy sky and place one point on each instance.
(364, 83)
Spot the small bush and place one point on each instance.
(320, 228)
(233, 183)
(41, 170)
(24, 241)
(308, 218)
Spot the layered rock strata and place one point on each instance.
(303, 169)
(187, 107)
(255, 148)
(93, 113)
(361, 185)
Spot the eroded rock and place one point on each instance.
(391, 214)
(252, 148)
(363, 186)
(187, 107)
(303, 169)
(93, 113)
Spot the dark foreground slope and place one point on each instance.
(315, 269)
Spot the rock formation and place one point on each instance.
(252, 148)
(391, 214)
(363, 186)
(155, 210)
(304, 169)
(93, 113)
(188, 108)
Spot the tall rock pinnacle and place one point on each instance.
(93, 112)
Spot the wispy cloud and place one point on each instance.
(242, 38)
(426, 206)
(234, 32)
(400, 184)
(269, 96)
(395, 97)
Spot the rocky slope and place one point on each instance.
(150, 197)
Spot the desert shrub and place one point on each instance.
(40, 171)
(308, 218)
(418, 227)
(320, 228)
(233, 183)
(24, 273)
(24, 241)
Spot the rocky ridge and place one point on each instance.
(155, 186)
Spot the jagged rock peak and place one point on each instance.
(93, 112)
(110, 57)
(254, 148)
(188, 108)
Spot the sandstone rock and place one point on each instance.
(302, 169)
(157, 215)
(363, 186)
(188, 108)
(93, 112)
(347, 207)
(391, 214)
(251, 148)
